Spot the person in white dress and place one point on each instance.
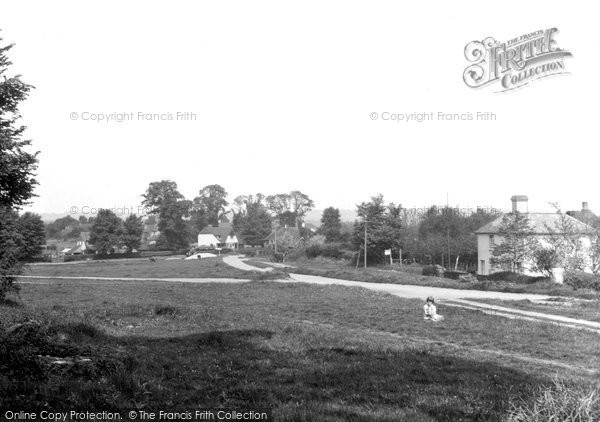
(430, 311)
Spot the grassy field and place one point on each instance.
(144, 268)
(311, 353)
(411, 275)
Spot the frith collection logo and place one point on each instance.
(514, 63)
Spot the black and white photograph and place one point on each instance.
(362, 211)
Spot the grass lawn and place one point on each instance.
(311, 353)
(411, 275)
(572, 308)
(144, 268)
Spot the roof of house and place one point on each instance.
(585, 216)
(283, 230)
(222, 232)
(207, 239)
(540, 223)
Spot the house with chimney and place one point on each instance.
(586, 215)
(543, 225)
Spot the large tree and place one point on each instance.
(173, 224)
(331, 225)
(251, 220)
(212, 203)
(159, 192)
(33, 235)
(163, 198)
(17, 170)
(106, 231)
(289, 208)
(517, 245)
(131, 236)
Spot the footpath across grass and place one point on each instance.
(568, 307)
(144, 268)
(326, 353)
(412, 276)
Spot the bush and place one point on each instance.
(581, 280)
(545, 260)
(512, 277)
(35, 259)
(433, 270)
(250, 251)
(74, 258)
(327, 250)
(454, 275)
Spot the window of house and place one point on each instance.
(482, 266)
(492, 241)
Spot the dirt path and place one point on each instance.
(235, 262)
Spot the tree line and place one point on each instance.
(252, 216)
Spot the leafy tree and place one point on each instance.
(131, 236)
(446, 228)
(212, 200)
(33, 235)
(172, 224)
(331, 224)
(164, 199)
(518, 243)
(57, 229)
(279, 203)
(83, 219)
(301, 204)
(289, 208)
(565, 246)
(17, 170)
(384, 227)
(251, 221)
(106, 231)
(159, 192)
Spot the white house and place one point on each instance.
(221, 236)
(487, 236)
(81, 246)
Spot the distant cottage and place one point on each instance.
(81, 246)
(222, 236)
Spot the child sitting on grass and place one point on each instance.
(430, 312)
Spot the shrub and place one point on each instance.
(545, 259)
(512, 277)
(433, 270)
(581, 280)
(35, 259)
(327, 250)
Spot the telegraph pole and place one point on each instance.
(366, 221)
(275, 224)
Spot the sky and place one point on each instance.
(279, 96)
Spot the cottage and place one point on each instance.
(218, 237)
(488, 235)
(81, 246)
(288, 236)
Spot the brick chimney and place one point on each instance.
(519, 203)
(584, 206)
